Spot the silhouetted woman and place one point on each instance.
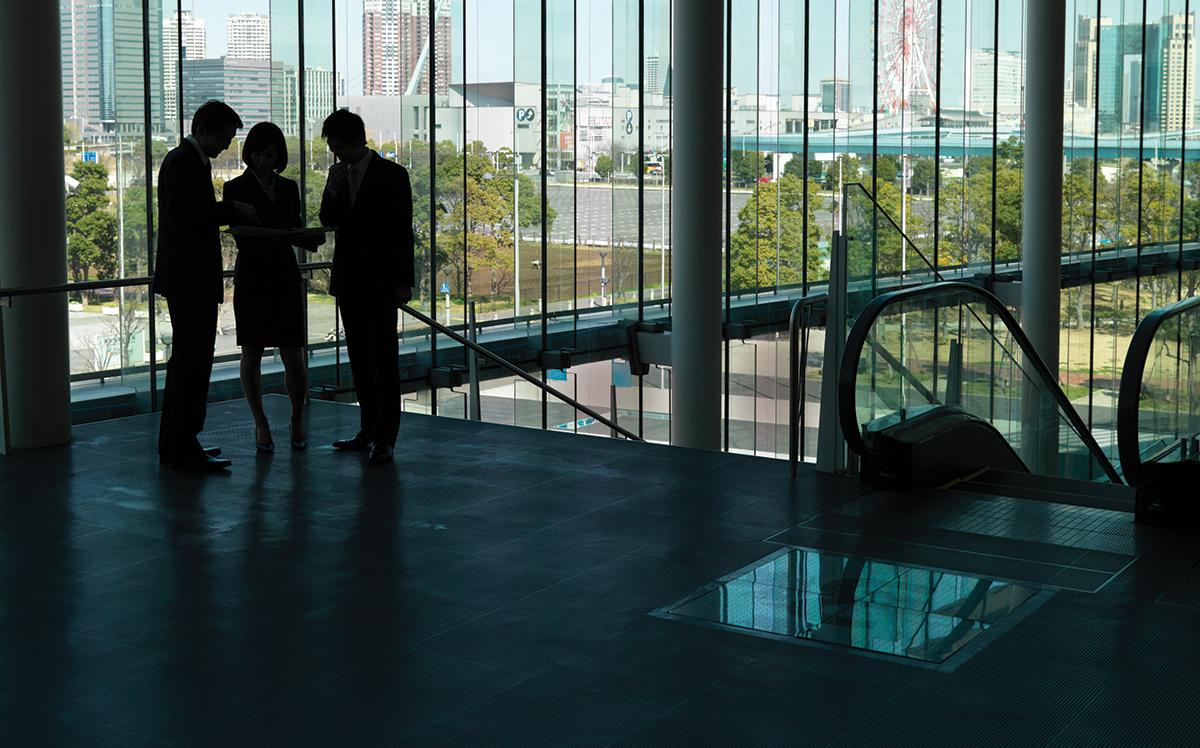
(268, 294)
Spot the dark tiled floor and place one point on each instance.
(495, 585)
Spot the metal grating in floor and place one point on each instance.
(850, 601)
(1028, 542)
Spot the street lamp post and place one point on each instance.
(516, 245)
(603, 278)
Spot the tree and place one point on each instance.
(923, 176)
(769, 241)
(91, 225)
(747, 167)
(795, 168)
(604, 166)
(887, 168)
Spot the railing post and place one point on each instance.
(474, 411)
(954, 375)
(5, 439)
(831, 444)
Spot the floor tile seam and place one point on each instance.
(561, 581)
(751, 661)
(549, 675)
(448, 719)
(783, 737)
(885, 703)
(510, 494)
(121, 730)
(109, 574)
(1073, 720)
(460, 625)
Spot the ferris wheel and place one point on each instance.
(907, 39)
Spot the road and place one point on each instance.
(603, 213)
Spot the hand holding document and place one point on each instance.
(308, 239)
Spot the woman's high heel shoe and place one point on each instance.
(266, 447)
(298, 444)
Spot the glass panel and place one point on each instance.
(1169, 411)
(656, 199)
(944, 349)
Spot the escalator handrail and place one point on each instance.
(1130, 392)
(857, 340)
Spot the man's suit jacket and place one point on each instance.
(187, 266)
(373, 249)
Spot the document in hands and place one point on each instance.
(294, 235)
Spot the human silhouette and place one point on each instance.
(268, 293)
(369, 200)
(187, 273)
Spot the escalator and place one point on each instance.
(1158, 414)
(938, 384)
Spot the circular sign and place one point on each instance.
(525, 114)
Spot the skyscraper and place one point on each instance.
(396, 46)
(652, 74)
(248, 36)
(1008, 68)
(103, 81)
(1151, 88)
(195, 47)
(244, 85)
(835, 95)
(1087, 37)
(1177, 79)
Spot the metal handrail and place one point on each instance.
(1129, 394)
(797, 365)
(857, 338)
(800, 315)
(10, 293)
(514, 369)
(879, 209)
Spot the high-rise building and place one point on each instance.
(248, 36)
(1177, 78)
(835, 95)
(1008, 71)
(1150, 87)
(195, 47)
(652, 74)
(396, 49)
(319, 88)
(1083, 79)
(102, 58)
(244, 85)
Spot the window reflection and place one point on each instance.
(864, 604)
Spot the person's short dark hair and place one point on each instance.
(262, 135)
(345, 125)
(215, 115)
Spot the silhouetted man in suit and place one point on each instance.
(187, 273)
(369, 200)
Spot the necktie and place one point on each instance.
(352, 183)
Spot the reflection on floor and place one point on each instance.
(875, 606)
(496, 586)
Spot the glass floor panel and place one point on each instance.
(869, 605)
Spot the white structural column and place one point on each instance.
(1041, 233)
(697, 76)
(32, 224)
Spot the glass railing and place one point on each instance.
(1158, 415)
(952, 347)
(879, 256)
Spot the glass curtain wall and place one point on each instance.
(537, 134)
